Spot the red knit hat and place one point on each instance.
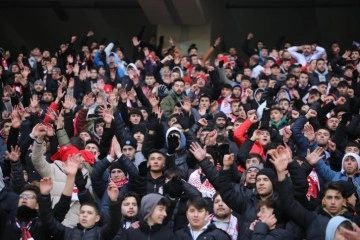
(88, 156)
(187, 79)
(108, 88)
(202, 76)
(64, 153)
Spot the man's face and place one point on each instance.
(156, 162)
(354, 55)
(322, 137)
(251, 161)
(228, 73)
(177, 110)
(93, 74)
(263, 185)
(88, 216)
(150, 81)
(334, 81)
(247, 72)
(303, 79)
(263, 83)
(145, 114)
(235, 107)
(174, 75)
(333, 201)
(332, 123)
(178, 87)
(276, 115)
(158, 215)
(128, 151)
(204, 103)
(221, 210)
(28, 198)
(250, 177)
(99, 129)
(225, 92)
(342, 90)
(322, 89)
(350, 165)
(296, 71)
(237, 92)
(320, 66)
(38, 87)
(201, 82)
(285, 105)
(306, 50)
(117, 174)
(47, 97)
(264, 212)
(286, 65)
(242, 112)
(290, 83)
(220, 122)
(245, 84)
(203, 135)
(139, 136)
(352, 149)
(91, 147)
(129, 207)
(194, 60)
(196, 217)
(85, 136)
(135, 119)
(264, 138)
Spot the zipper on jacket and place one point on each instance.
(154, 187)
(83, 235)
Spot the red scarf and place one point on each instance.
(25, 233)
(120, 183)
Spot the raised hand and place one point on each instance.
(270, 221)
(88, 100)
(217, 42)
(340, 101)
(51, 114)
(171, 41)
(186, 106)
(309, 133)
(60, 93)
(46, 185)
(34, 101)
(135, 41)
(154, 101)
(210, 139)
(287, 133)
(68, 102)
(311, 114)
(50, 131)
(14, 154)
(198, 152)
(107, 115)
(280, 159)
(228, 160)
(203, 122)
(15, 118)
(315, 156)
(39, 131)
(60, 120)
(113, 191)
(173, 143)
(71, 166)
(256, 135)
(90, 34)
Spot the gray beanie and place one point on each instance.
(148, 204)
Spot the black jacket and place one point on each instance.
(211, 233)
(145, 232)
(108, 231)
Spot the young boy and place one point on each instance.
(199, 227)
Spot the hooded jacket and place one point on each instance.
(211, 232)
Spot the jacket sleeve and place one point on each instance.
(69, 123)
(299, 180)
(129, 166)
(166, 106)
(55, 107)
(234, 199)
(98, 184)
(47, 218)
(189, 190)
(81, 121)
(62, 207)
(210, 172)
(113, 225)
(62, 137)
(239, 134)
(17, 177)
(244, 150)
(325, 171)
(297, 56)
(38, 159)
(294, 210)
(298, 138)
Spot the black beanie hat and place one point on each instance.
(270, 174)
(117, 165)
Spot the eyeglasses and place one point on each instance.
(27, 196)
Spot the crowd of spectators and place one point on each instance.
(164, 144)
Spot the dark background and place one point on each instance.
(48, 23)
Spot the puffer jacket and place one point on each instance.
(211, 232)
(108, 231)
(146, 232)
(56, 172)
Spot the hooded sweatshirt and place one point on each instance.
(333, 225)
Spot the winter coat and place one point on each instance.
(313, 222)
(211, 232)
(169, 102)
(146, 232)
(108, 231)
(56, 172)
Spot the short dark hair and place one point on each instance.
(255, 155)
(337, 186)
(198, 202)
(93, 205)
(352, 144)
(172, 172)
(130, 194)
(178, 80)
(33, 189)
